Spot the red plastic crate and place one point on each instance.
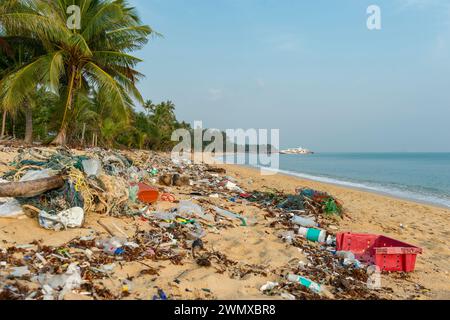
(387, 253)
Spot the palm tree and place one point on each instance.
(5, 55)
(76, 61)
(15, 53)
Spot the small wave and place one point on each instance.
(378, 188)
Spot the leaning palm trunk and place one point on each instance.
(2, 135)
(61, 138)
(28, 124)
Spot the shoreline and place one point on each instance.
(342, 185)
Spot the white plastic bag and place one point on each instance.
(92, 167)
(10, 208)
(72, 218)
(36, 175)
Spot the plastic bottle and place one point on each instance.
(228, 214)
(348, 259)
(312, 234)
(311, 285)
(304, 222)
(345, 255)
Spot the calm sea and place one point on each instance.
(423, 177)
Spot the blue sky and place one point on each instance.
(309, 68)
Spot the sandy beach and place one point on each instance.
(259, 246)
(419, 224)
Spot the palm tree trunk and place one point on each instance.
(28, 124)
(61, 138)
(2, 135)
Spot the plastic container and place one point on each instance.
(304, 222)
(315, 235)
(386, 253)
(146, 193)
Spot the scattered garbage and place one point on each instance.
(111, 246)
(169, 222)
(63, 283)
(19, 272)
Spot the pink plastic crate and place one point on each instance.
(387, 253)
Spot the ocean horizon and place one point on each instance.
(422, 177)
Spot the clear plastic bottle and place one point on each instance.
(348, 259)
(228, 214)
(304, 222)
(311, 285)
(312, 234)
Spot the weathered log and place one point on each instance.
(30, 189)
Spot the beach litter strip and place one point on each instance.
(59, 189)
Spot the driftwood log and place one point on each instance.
(30, 189)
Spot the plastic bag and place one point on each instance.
(10, 209)
(92, 167)
(72, 218)
(36, 175)
(188, 208)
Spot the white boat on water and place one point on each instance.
(297, 151)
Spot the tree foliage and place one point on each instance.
(79, 82)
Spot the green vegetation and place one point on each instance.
(77, 86)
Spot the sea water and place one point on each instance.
(422, 177)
